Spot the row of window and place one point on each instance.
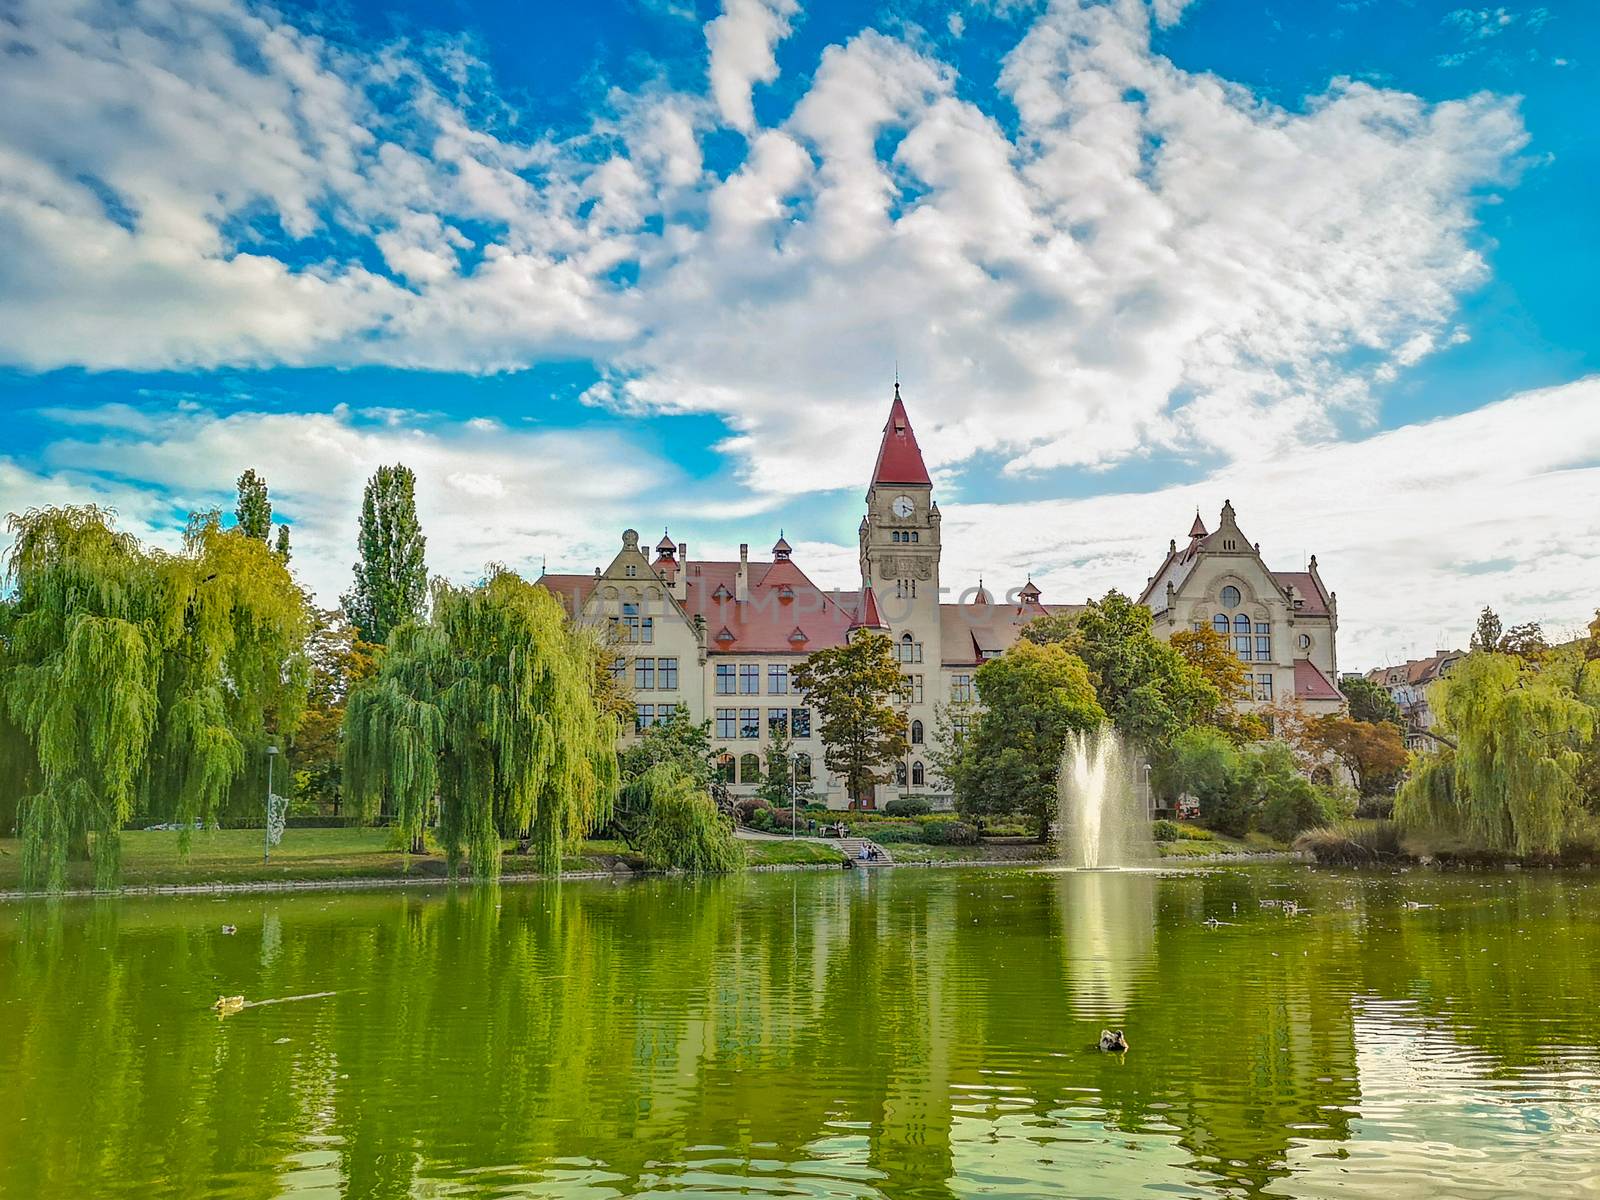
(750, 768)
(919, 774)
(904, 535)
(649, 674)
(735, 723)
(744, 679)
(646, 715)
(633, 626)
(908, 650)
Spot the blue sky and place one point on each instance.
(654, 263)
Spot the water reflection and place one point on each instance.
(876, 1034)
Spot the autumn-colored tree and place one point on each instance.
(860, 695)
(340, 662)
(1373, 752)
(1210, 654)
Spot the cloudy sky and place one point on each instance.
(655, 262)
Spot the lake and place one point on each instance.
(900, 1033)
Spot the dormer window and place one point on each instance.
(786, 593)
(722, 593)
(798, 637)
(725, 635)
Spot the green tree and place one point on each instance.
(1057, 628)
(1210, 655)
(254, 509)
(1202, 762)
(490, 706)
(1372, 751)
(1370, 701)
(340, 662)
(1515, 733)
(1147, 688)
(134, 681)
(859, 694)
(677, 740)
(778, 785)
(282, 547)
(391, 578)
(1033, 697)
(1486, 637)
(683, 831)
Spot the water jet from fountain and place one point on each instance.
(1101, 815)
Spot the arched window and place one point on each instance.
(1220, 622)
(725, 769)
(900, 774)
(802, 768)
(914, 536)
(916, 733)
(750, 768)
(918, 775)
(1305, 641)
(1241, 624)
(894, 535)
(1230, 597)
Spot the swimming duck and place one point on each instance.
(1112, 1041)
(228, 1004)
(230, 929)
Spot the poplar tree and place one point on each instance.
(135, 681)
(282, 548)
(490, 706)
(254, 509)
(391, 578)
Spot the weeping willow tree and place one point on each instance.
(491, 707)
(1513, 734)
(133, 681)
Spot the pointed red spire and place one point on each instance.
(867, 614)
(1198, 529)
(899, 458)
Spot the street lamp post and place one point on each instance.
(266, 836)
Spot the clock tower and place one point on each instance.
(900, 563)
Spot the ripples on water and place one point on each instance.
(898, 1033)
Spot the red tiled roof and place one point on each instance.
(867, 617)
(571, 590)
(899, 457)
(1311, 684)
(782, 600)
(1305, 588)
(1198, 529)
(969, 632)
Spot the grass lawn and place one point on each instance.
(765, 853)
(152, 858)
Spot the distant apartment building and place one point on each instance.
(1408, 683)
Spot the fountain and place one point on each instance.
(1102, 817)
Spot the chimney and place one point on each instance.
(680, 581)
(741, 586)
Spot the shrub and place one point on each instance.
(908, 806)
(1196, 833)
(746, 807)
(1293, 806)
(948, 831)
(1352, 843)
(1165, 831)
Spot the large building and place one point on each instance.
(719, 639)
(1282, 624)
(1408, 684)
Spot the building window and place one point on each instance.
(1304, 641)
(915, 537)
(1263, 648)
(1264, 686)
(800, 722)
(725, 768)
(900, 774)
(664, 713)
(1230, 597)
(1196, 626)
(894, 536)
(750, 768)
(631, 571)
(916, 733)
(1220, 622)
(908, 651)
(916, 688)
(961, 688)
(918, 775)
(647, 630)
(630, 622)
(749, 679)
(958, 726)
(777, 722)
(619, 668)
(727, 724)
(777, 679)
(749, 723)
(644, 674)
(644, 716)
(1241, 647)
(725, 678)
(802, 768)
(667, 674)
(1241, 624)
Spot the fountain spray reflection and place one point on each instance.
(1101, 815)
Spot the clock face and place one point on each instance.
(903, 507)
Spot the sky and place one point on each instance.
(656, 264)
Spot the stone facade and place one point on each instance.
(1283, 624)
(719, 639)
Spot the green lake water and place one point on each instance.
(900, 1033)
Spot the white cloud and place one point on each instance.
(1156, 259)
(742, 42)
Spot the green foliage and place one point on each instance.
(908, 806)
(253, 510)
(1240, 790)
(340, 661)
(678, 741)
(134, 681)
(1486, 636)
(1513, 780)
(1164, 831)
(490, 706)
(1147, 688)
(281, 549)
(1034, 696)
(944, 829)
(1370, 701)
(391, 578)
(777, 777)
(859, 692)
(684, 831)
(1200, 762)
